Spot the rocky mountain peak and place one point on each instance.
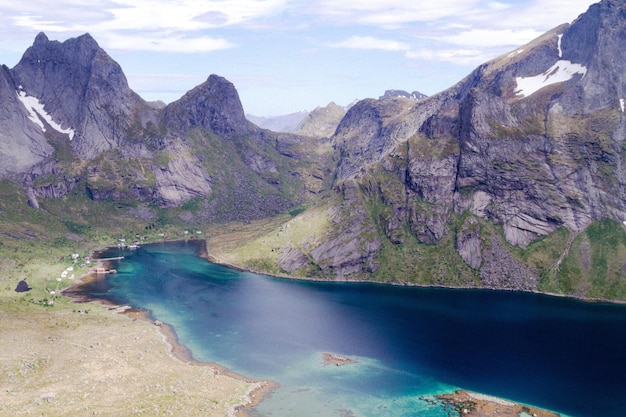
(415, 95)
(532, 140)
(79, 87)
(214, 105)
(41, 38)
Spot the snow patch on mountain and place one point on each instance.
(36, 112)
(560, 72)
(516, 52)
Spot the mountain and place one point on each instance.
(415, 95)
(286, 123)
(72, 121)
(322, 121)
(467, 187)
(514, 178)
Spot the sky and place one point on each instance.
(284, 56)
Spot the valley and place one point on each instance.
(512, 179)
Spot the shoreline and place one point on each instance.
(213, 259)
(262, 389)
(259, 389)
(205, 254)
(472, 404)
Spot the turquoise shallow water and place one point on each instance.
(409, 343)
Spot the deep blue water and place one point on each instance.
(561, 354)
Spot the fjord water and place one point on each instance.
(409, 343)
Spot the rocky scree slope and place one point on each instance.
(70, 120)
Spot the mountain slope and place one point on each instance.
(513, 178)
(83, 90)
(71, 120)
(322, 121)
(470, 184)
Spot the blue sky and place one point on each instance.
(289, 55)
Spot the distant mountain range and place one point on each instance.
(284, 123)
(322, 121)
(514, 178)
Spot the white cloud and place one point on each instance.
(149, 25)
(492, 37)
(538, 15)
(496, 5)
(454, 56)
(165, 43)
(189, 15)
(388, 12)
(368, 42)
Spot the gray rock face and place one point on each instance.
(173, 191)
(352, 247)
(415, 95)
(532, 140)
(22, 143)
(501, 271)
(214, 105)
(365, 134)
(67, 115)
(292, 259)
(82, 89)
(468, 243)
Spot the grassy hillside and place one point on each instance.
(595, 265)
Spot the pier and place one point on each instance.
(117, 258)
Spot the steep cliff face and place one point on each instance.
(83, 90)
(214, 105)
(541, 130)
(22, 143)
(531, 141)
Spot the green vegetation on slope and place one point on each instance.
(35, 240)
(595, 266)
